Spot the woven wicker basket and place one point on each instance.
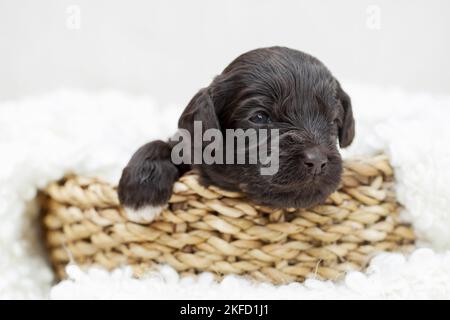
(207, 229)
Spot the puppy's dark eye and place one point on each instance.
(260, 118)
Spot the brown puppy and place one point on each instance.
(269, 88)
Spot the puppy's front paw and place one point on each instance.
(145, 191)
(143, 215)
(146, 184)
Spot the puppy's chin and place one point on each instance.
(314, 193)
(304, 195)
(288, 188)
(295, 190)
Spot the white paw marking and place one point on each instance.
(143, 215)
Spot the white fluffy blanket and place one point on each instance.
(41, 138)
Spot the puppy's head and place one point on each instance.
(284, 89)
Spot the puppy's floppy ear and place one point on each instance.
(200, 108)
(347, 127)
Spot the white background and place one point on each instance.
(169, 49)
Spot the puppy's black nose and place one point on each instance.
(315, 160)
